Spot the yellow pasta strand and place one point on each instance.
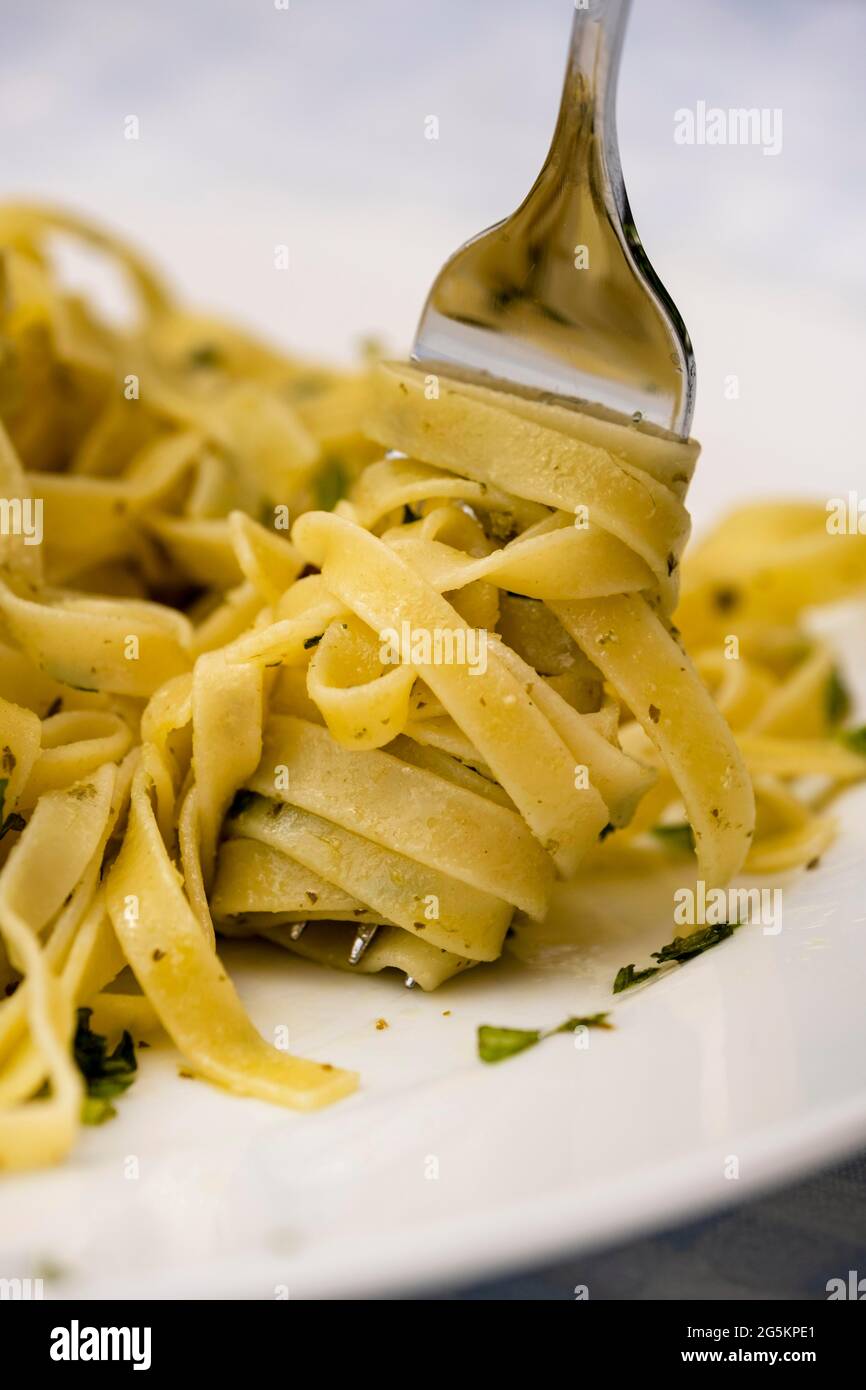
(375, 741)
(165, 945)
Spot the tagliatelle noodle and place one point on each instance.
(176, 965)
(548, 458)
(407, 719)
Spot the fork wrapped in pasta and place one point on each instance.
(372, 742)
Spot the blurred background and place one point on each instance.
(305, 126)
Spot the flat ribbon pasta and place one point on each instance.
(258, 681)
(166, 947)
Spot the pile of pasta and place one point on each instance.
(376, 740)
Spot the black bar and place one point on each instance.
(262, 1338)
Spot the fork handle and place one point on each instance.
(588, 100)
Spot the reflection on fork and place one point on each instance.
(560, 298)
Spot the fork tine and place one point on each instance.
(363, 937)
(296, 930)
(503, 311)
(409, 982)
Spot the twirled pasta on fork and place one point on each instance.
(376, 740)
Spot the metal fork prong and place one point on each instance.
(363, 937)
(296, 930)
(409, 982)
(560, 297)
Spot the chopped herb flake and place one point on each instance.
(683, 948)
(837, 699)
(495, 1044)
(677, 838)
(205, 355)
(587, 1021)
(627, 976)
(95, 1110)
(331, 483)
(13, 821)
(726, 599)
(676, 952)
(855, 739)
(107, 1075)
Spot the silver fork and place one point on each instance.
(517, 306)
(560, 298)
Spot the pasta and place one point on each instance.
(373, 741)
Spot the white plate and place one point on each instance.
(440, 1170)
